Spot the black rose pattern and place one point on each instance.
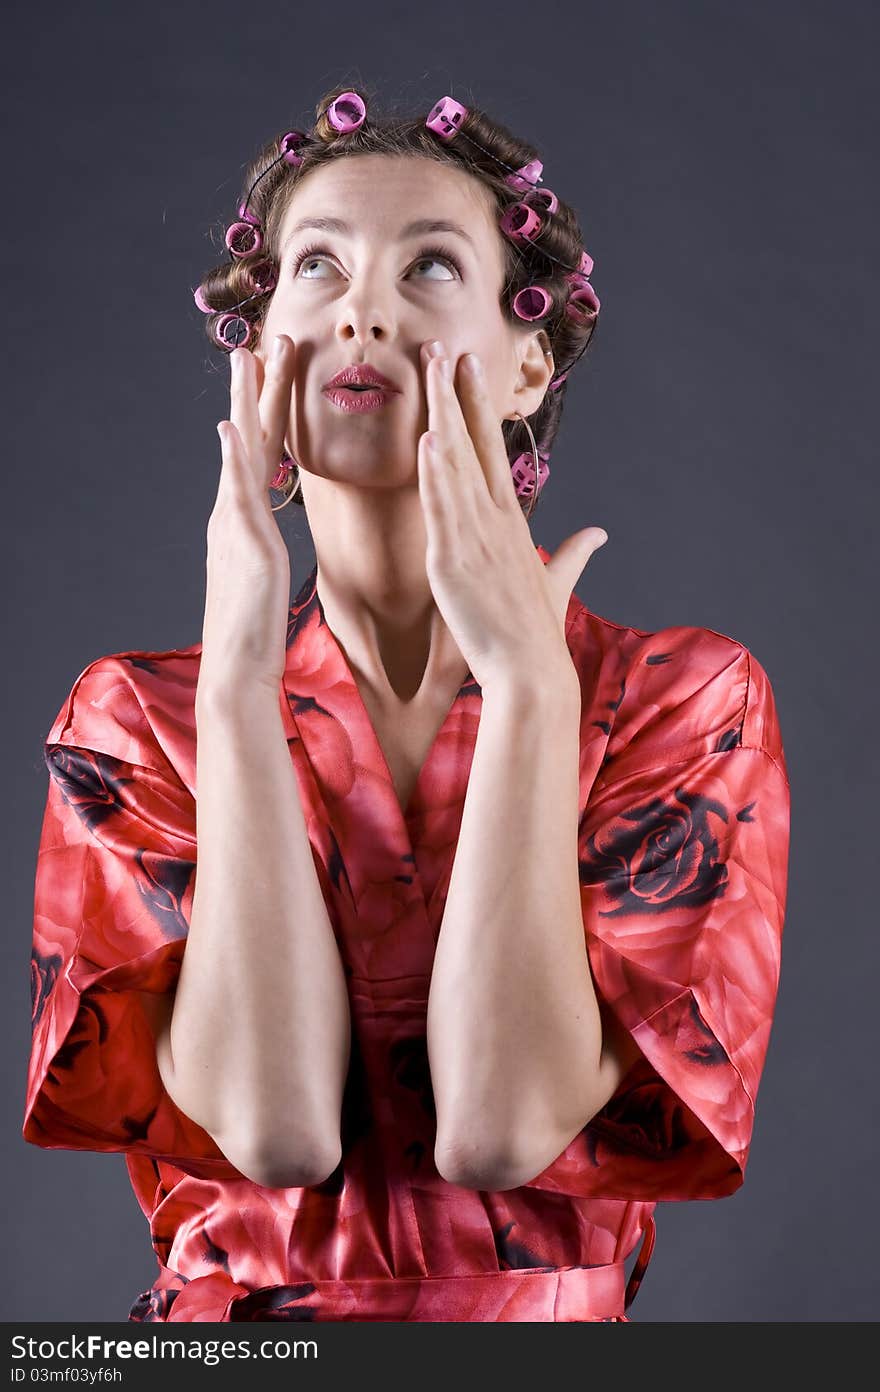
(91, 785)
(410, 1068)
(645, 1119)
(273, 1303)
(164, 882)
(613, 706)
(512, 1254)
(91, 1027)
(214, 1255)
(660, 855)
(153, 1305)
(89, 782)
(44, 974)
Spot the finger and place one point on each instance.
(455, 477)
(275, 397)
(446, 421)
(485, 430)
(237, 485)
(441, 518)
(243, 411)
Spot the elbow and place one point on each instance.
(275, 1167)
(474, 1164)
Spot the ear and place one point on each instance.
(536, 367)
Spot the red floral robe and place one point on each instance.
(683, 844)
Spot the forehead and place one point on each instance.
(379, 194)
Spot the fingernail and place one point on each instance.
(435, 348)
(473, 364)
(446, 368)
(277, 349)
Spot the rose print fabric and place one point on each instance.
(683, 847)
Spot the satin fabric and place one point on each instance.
(683, 855)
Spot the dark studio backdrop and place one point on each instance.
(721, 159)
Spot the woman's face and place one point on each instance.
(372, 292)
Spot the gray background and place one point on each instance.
(720, 159)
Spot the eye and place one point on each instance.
(427, 255)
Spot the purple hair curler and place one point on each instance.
(585, 266)
(232, 331)
(346, 112)
(582, 304)
(262, 277)
(525, 178)
(445, 117)
(243, 238)
(544, 200)
(532, 302)
(520, 223)
(247, 216)
(289, 145)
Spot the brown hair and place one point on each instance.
(225, 287)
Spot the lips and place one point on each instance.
(360, 376)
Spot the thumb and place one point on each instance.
(570, 558)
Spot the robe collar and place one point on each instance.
(346, 779)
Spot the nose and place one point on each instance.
(364, 312)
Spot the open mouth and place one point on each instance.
(360, 397)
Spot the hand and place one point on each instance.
(504, 607)
(248, 566)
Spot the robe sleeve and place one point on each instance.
(683, 854)
(112, 900)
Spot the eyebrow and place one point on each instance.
(418, 228)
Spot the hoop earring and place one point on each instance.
(282, 476)
(536, 469)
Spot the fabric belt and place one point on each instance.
(569, 1293)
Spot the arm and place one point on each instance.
(256, 1047)
(515, 1038)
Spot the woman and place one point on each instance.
(483, 949)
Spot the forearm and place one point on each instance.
(260, 1030)
(514, 1031)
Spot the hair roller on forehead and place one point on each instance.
(547, 268)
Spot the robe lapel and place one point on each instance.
(390, 871)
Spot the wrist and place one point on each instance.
(231, 699)
(550, 686)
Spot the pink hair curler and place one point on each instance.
(201, 301)
(520, 223)
(532, 302)
(232, 331)
(582, 304)
(445, 117)
(289, 145)
(346, 112)
(544, 200)
(582, 274)
(262, 277)
(525, 178)
(243, 238)
(585, 266)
